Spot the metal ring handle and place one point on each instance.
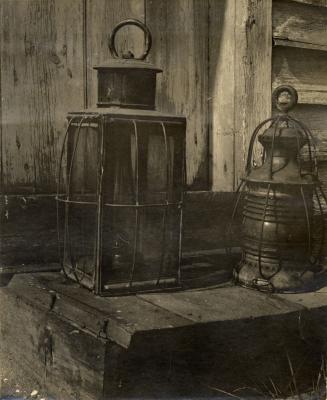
(136, 22)
(291, 101)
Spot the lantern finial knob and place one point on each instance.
(284, 98)
(129, 54)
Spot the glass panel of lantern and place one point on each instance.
(124, 186)
(79, 226)
(146, 169)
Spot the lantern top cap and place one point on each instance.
(127, 59)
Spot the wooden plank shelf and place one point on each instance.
(304, 69)
(178, 344)
(302, 45)
(299, 22)
(318, 3)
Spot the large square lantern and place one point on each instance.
(122, 170)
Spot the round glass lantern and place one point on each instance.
(283, 213)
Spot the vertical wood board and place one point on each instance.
(240, 81)
(41, 79)
(180, 47)
(222, 93)
(253, 74)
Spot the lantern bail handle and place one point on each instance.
(129, 54)
(287, 101)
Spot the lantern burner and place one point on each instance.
(282, 216)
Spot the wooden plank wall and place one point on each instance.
(48, 49)
(299, 58)
(181, 49)
(240, 83)
(40, 78)
(216, 56)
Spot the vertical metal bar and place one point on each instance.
(98, 240)
(272, 148)
(252, 140)
(164, 217)
(310, 144)
(309, 137)
(73, 156)
(238, 194)
(307, 219)
(136, 226)
(298, 151)
(180, 243)
(322, 220)
(85, 55)
(67, 233)
(244, 190)
(261, 232)
(58, 193)
(179, 277)
(83, 191)
(325, 200)
(1, 141)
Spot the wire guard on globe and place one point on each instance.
(283, 204)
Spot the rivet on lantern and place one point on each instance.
(121, 182)
(282, 229)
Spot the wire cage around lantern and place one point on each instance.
(121, 183)
(283, 205)
(123, 203)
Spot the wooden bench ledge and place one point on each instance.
(119, 318)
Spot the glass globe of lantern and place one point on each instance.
(283, 202)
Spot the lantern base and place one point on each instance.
(122, 288)
(300, 280)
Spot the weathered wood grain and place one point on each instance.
(315, 118)
(41, 77)
(72, 367)
(180, 48)
(301, 45)
(210, 305)
(121, 313)
(319, 3)
(160, 360)
(28, 234)
(222, 93)
(253, 77)
(300, 22)
(304, 69)
(240, 80)
(101, 18)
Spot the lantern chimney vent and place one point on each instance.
(127, 81)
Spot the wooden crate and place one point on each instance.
(189, 344)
